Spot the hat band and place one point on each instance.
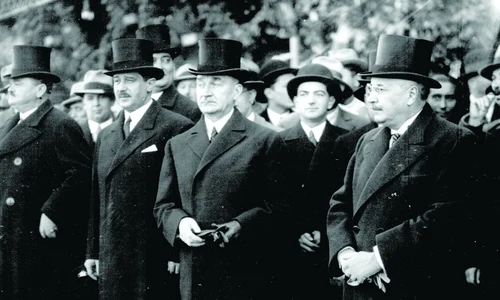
(216, 68)
(15, 71)
(390, 68)
(132, 64)
(98, 86)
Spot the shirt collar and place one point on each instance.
(137, 114)
(251, 116)
(317, 130)
(218, 124)
(156, 96)
(93, 125)
(406, 124)
(275, 117)
(24, 115)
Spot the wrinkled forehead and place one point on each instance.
(216, 78)
(390, 82)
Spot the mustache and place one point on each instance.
(123, 94)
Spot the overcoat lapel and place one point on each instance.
(327, 138)
(142, 132)
(25, 132)
(380, 169)
(198, 138)
(231, 134)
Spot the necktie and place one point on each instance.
(213, 135)
(94, 136)
(126, 127)
(312, 138)
(394, 138)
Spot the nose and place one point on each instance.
(442, 103)
(370, 97)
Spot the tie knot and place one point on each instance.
(126, 127)
(394, 138)
(214, 134)
(312, 138)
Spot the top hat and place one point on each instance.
(474, 60)
(319, 73)
(404, 58)
(32, 61)
(349, 58)
(274, 68)
(134, 55)
(487, 71)
(182, 73)
(160, 36)
(96, 82)
(219, 57)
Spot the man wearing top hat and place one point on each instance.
(163, 58)
(125, 249)
(45, 171)
(246, 100)
(311, 145)
(395, 226)
(222, 174)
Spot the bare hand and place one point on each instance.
(47, 228)
(310, 242)
(472, 275)
(479, 107)
(173, 267)
(92, 267)
(187, 229)
(232, 232)
(360, 266)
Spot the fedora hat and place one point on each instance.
(252, 82)
(74, 94)
(333, 64)
(134, 55)
(272, 69)
(182, 73)
(160, 36)
(219, 57)
(474, 60)
(487, 71)
(349, 58)
(32, 61)
(319, 73)
(96, 82)
(403, 57)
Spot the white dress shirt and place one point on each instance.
(24, 115)
(137, 114)
(218, 125)
(251, 116)
(156, 96)
(275, 117)
(317, 130)
(95, 127)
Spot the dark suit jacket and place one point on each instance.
(173, 101)
(407, 201)
(235, 177)
(346, 144)
(44, 168)
(122, 232)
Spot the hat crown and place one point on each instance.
(31, 60)
(158, 34)
(344, 54)
(333, 64)
(476, 59)
(272, 66)
(131, 53)
(315, 70)
(76, 88)
(414, 59)
(97, 76)
(183, 71)
(371, 59)
(218, 55)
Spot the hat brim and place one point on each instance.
(94, 91)
(427, 81)
(67, 103)
(148, 71)
(276, 73)
(5, 88)
(357, 63)
(174, 52)
(240, 74)
(340, 97)
(46, 75)
(185, 77)
(487, 72)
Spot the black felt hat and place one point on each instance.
(274, 68)
(134, 55)
(32, 61)
(487, 71)
(160, 36)
(220, 57)
(403, 57)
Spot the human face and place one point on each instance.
(165, 62)
(77, 113)
(350, 77)
(312, 102)
(244, 102)
(187, 87)
(131, 90)
(495, 81)
(389, 101)
(277, 94)
(97, 107)
(216, 95)
(443, 100)
(23, 93)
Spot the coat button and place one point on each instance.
(18, 161)
(10, 201)
(356, 229)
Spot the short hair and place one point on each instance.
(424, 91)
(46, 81)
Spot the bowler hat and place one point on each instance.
(134, 55)
(252, 82)
(319, 73)
(487, 71)
(274, 68)
(32, 61)
(96, 82)
(160, 36)
(474, 60)
(219, 57)
(404, 58)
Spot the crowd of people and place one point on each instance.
(344, 178)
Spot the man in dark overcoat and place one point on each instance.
(165, 91)
(126, 251)
(44, 187)
(394, 227)
(223, 173)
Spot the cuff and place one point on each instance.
(379, 259)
